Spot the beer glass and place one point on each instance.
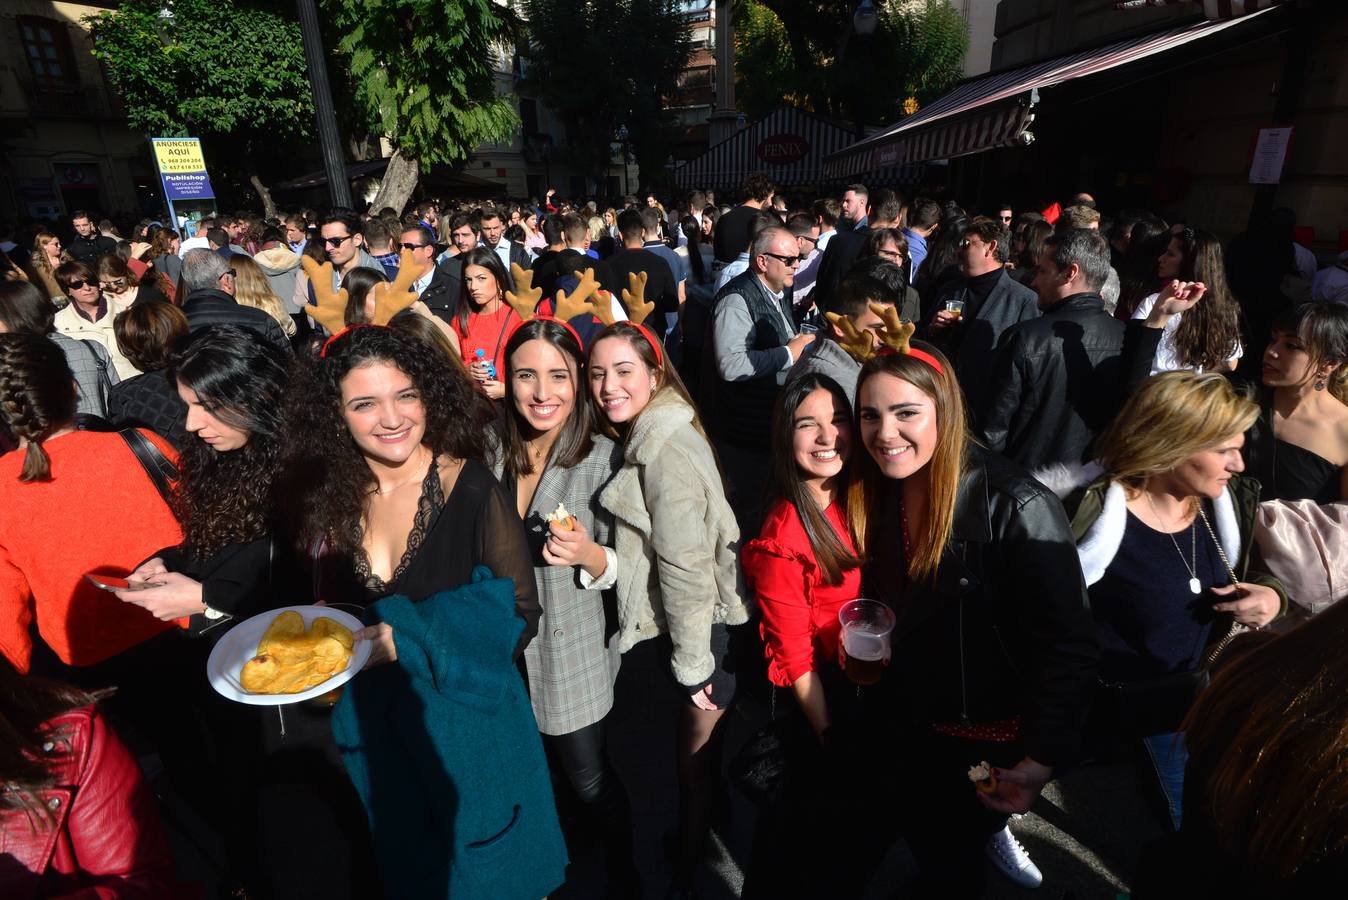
(866, 625)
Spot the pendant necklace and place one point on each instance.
(1195, 587)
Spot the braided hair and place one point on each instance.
(37, 397)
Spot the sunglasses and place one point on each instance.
(787, 260)
(79, 284)
(414, 246)
(337, 241)
(117, 285)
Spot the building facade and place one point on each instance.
(64, 143)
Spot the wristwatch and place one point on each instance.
(211, 614)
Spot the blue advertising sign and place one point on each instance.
(182, 167)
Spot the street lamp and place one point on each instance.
(864, 19)
(623, 135)
(164, 24)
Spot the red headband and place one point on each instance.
(323, 354)
(916, 354)
(650, 339)
(560, 322)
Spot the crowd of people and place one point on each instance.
(536, 447)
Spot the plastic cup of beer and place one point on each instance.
(956, 307)
(866, 626)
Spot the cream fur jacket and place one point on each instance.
(676, 539)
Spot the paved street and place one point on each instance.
(1084, 833)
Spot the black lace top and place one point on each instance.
(475, 525)
(428, 506)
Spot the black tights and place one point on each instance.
(583, 756)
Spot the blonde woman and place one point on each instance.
(1163, 525)
(47, 256)
(253, 289)
(601, 241)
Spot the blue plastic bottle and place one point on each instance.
(491, 367)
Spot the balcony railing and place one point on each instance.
(67, 100)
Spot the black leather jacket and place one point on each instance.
(1058, 381)
(1004, 630)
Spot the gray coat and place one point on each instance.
(827, 357)
(677, 541)
(570, 664)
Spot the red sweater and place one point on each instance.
(99, 513)
(800, 612)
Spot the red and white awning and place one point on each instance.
(997, 110)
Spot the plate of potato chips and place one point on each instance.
(287, 655)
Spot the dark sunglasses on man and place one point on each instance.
(407, 246)
(787, 260)
(336, 241)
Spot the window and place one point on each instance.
(46, 43)
(529, 115)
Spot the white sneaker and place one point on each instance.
(1011, 860)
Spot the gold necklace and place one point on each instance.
(418, 476)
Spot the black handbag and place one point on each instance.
(763, 763)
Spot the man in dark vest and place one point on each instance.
(754, 344)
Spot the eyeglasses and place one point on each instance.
(116, 285)
(229, 272)
(79, 284)
(890, 254)
(414, 246)
(806, 237)
(337, 241)
(787, 260)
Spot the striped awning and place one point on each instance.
(788, 144)
(1217, 10)
(997, 110)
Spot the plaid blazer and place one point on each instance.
(572, 663)
(93, 369)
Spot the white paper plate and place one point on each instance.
(240, 645)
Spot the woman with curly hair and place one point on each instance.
(391, 487)
(390, 477)
(233, 383)
(1207, 337)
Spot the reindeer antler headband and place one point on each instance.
(587, 297)
(329, 307)
(895, 336)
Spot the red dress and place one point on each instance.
(800, 612)
(487, 332)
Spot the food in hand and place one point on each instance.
(563, 518)
(291, 658)
(985, 782)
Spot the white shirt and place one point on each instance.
(739, 266)
(193, 243)
(1306, 261)
(824, 238)
(1331, 284)
(1167, 357)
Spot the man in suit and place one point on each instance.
(885, 211)
(493, 238)
(435, 287)
(463, 236)
(969, 315)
